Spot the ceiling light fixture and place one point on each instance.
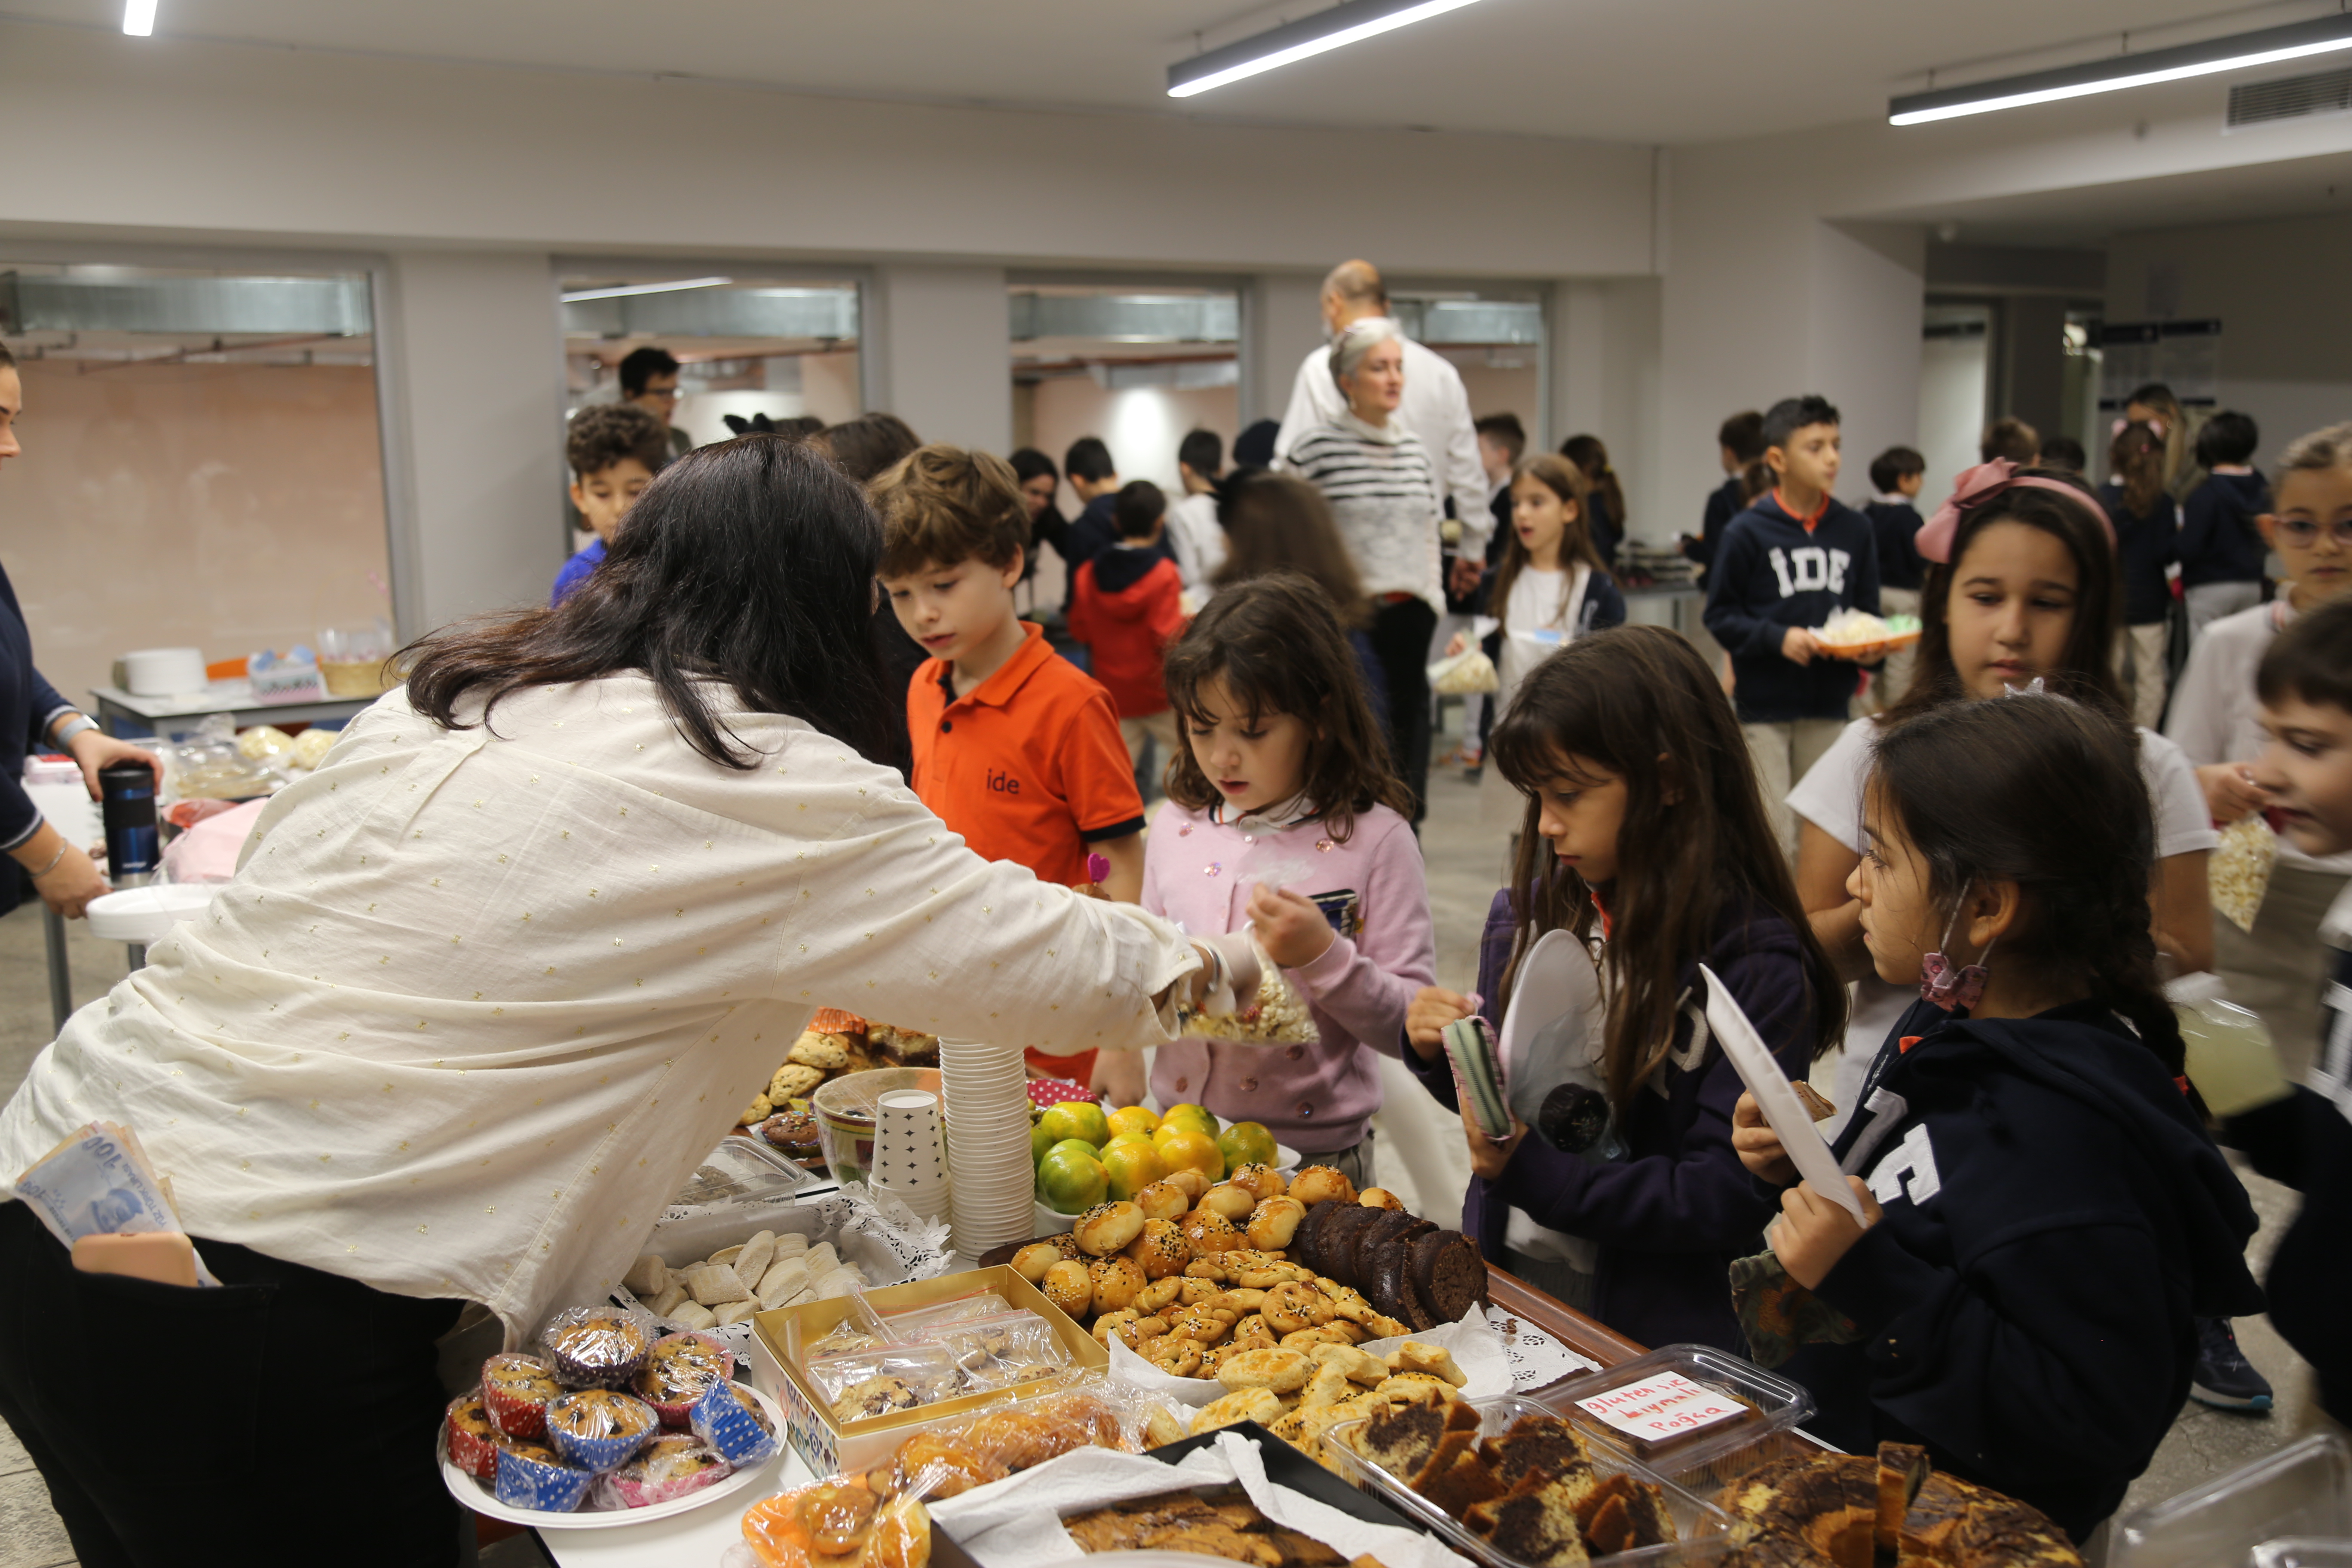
(139, 17)
(624, 289)
(2237, 52)
(1347, 23)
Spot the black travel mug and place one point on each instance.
(127, 802)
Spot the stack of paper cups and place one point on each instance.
(910, 1159)
(989, 1174)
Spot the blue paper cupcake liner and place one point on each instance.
(549, 1488)
(719, 1419)
(599, 1454)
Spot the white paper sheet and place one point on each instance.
(1782, 1110)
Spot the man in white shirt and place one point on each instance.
(1436, 409)
(1193, 532)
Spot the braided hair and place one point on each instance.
(2047, 793)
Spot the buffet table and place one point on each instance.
(699, 1539)
(138, 717)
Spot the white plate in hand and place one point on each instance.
(477, 1495)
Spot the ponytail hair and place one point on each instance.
(2047, 793)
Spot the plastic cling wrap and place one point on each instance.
(680, 1370)
(515, 1393)
(729, 1419)
(885, 1380)
(1276, 1015)
(1466, 672)
(598, 1429)
(1001, 1352)
(834, 1522)
(666, 1470)
(597, 1347)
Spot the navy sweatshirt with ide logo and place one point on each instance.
(1773, 571)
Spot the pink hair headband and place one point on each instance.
(1986, 482)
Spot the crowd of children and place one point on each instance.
(1947, 890)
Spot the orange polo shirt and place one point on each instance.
(1028, 766)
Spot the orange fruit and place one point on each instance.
(1189, 1151)
(1132, 1166)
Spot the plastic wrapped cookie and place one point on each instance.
(598, 1429)
(729, 1418)
(531, 1475)
(679, 1370)
(516, 1389)
(595, 1347)
(666, 1470)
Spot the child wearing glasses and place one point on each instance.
(2274, 968)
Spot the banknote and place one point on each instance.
(97, 1181)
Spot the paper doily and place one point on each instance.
(1536, 1357)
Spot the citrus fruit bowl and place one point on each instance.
(1053, 1222)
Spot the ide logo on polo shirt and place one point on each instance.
(1002, 783)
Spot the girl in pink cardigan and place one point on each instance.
(1283, 814)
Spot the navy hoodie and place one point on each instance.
(1896, 525)
(1722, 506)
(2055, 1219)
(1771, 573)
(2145, 546)
(2306, 1141)
(2219, 541)
(1670, 1217)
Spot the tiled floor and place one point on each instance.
(1464, 867)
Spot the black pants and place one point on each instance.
(1401, 632)
(290, 1414)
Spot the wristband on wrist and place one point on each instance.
(72, 727)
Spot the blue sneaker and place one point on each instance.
(2224, 1379)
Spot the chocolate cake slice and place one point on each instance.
(1386, 1226)
(1903, 1468)
(1335, 1244)
(1448, 1275)
(1401, 1439)
(1536, 1443)
(1535, 1523)
(1307, 1242)
(1384, 1283)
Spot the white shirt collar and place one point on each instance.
(1274, 818)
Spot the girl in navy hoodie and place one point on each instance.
(2046, 1214)
(1646, 837)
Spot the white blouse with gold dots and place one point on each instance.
(478, 1003)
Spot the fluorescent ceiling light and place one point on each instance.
(2239, 51)
(627, 289)
(139, 17)
(1340, 26)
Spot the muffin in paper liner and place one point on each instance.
(679, 1370)
(598, 1429)
(666, 1470)
(729, 1419)
(533, 1476)
(473, 1440)
(515, 1391)
(595, 1347)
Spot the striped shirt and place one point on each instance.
(1383, 495)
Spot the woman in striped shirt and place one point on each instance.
(1384, 495)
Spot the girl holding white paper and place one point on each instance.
(1668, 855)
(2046, 1214)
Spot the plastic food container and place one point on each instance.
(1700, 1527)
(845, 1114)
(885, 1382)
(2304, 1489)
(1001, 1352)
(918, 1324)
(741, 1173)
(1665, 1411)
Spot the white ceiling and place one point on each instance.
(1645, 71)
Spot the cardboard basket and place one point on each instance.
(828, 1447)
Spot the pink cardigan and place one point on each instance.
(1318, 1099)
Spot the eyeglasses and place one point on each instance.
(2303, 531)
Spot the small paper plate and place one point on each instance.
(478, 1496)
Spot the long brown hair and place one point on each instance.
(2084, 670)
(1277, 647)
(1591, 458)
(2048, 793)
(1695, 843)
(2136, 459)
(1566, 480)
(1277, 524)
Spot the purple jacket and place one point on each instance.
(1671, 1216)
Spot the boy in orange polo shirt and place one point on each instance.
(1016, 749)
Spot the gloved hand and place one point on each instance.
(2229, 1055)
(1241, 971)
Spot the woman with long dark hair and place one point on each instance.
(490, 982)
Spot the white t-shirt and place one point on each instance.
(2215, 717)
(1544, 613)
(1199, 542)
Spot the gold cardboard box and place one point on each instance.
(830, 1447)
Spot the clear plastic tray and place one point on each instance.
(2304, 1552)
(739, 1172)
(1699, 1526)
(2302, 1490)
(1714, 1455)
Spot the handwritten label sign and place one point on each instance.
(1659, 1408)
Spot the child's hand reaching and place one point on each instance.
(1487, 1158)
(1757, 1146)
(1288, 926)
(1459, 646)
(1799, 646)
(1813, 1232)
(1432, 1008)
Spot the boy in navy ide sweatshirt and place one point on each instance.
(1785, 566)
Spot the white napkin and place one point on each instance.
(1018, 1520)
(1477, 1350)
